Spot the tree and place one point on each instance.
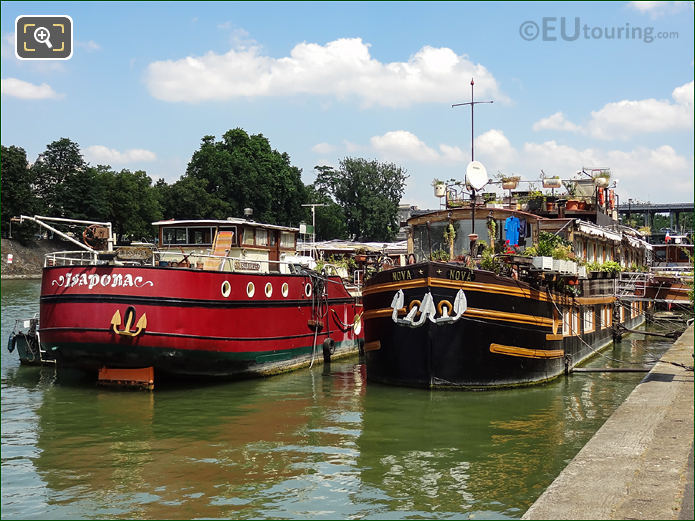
(16, 195)
(85, 194)
(368, 192)
(53, 170)
(330, 219)
(244, 171)
(134, 205)
(188, 198)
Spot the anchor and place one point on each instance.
(427, 309)
(129, 319)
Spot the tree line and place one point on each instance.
(222, 178)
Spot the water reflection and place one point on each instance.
(236, 450)
(316, 443)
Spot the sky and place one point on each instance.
(574, 85)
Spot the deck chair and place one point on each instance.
(220, 248)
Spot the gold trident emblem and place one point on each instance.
(129, 319)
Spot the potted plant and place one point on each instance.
(602, 178)
(536, 200)
(440, 255)
(439, 188)
(449, 237)
(552, 182)
(510, 182)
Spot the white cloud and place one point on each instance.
(8, 45)
(684, 94)
(453, 154)
(24, 90)
(659, 9)
(641, 170)
(556, 121)
(89, 46)
(494, 144)
(625, 118)
(343, 69)
(401, 143)
(100, 154)
(323, 148)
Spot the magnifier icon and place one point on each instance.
(42, 35)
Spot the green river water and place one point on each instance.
(318, 443)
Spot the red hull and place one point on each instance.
(195, 322)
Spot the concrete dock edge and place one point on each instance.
(639, 464)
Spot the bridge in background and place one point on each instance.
(649, 210)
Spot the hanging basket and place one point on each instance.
(552, 182)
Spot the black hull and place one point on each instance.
(510, 335)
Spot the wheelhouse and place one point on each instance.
(240, 244)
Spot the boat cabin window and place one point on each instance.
(188, 235)
(287, 240)
(261, 237)
(199, 236)
(174, 236)
(248, 239)
(184, 235)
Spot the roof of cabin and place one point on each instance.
(222, 222)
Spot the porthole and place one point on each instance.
(268, 290)
(285, 290)
(226, 289)
(250, 289)
(307, 289)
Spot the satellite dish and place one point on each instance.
(476, 175)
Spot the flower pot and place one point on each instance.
(440, 190)
(509, 185)
(572, 204)
(535, 204)
(601, 182)
(542, 263)
(550, 206)
(552, 183)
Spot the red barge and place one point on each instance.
(214, 298)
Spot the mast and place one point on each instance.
(472, 103)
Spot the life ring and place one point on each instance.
(611, 198)
(601, 196)
(441, 305)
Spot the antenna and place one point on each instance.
(313, 223)
(477, 170)
(472, 103)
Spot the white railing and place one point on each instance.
(631, 284)
(70, 258)
(175, 260)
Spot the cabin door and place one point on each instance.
(274, 254)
